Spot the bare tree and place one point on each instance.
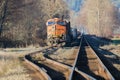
(3, 14)
(25, 20)
(101, 17)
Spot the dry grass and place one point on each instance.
(11, 69)
(115, 38)
(6, 65)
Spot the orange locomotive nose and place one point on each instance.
(57, 30)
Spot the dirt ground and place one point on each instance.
(65, 55)
(114, 53)
(115, 49)
(111, 53)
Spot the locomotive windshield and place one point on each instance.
(50, 23)
(61, 23)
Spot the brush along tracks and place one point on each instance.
(88, 62)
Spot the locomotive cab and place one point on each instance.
(56, 30)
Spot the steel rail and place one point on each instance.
(87, 76)
(102, 65)
(44, 72)
(29, 62)
(46, 76)
(73, 68)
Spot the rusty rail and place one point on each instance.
(101, 68)
(46, 76)
(29, 62)
(45, 72)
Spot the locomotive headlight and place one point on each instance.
(49, 36)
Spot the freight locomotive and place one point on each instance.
(58, 31)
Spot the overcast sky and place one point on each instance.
(76, 4)
(116, 3)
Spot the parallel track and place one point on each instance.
(87, 65)
(88, 62)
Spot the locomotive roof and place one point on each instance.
(55, 20)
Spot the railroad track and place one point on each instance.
(41, 71)
(49, 69)
(114, 71)
(87, 65)
(88, 62)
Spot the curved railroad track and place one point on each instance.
(87, 65)
(40, 71)
(47, 67)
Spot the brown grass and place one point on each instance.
(11, 66)
(11, 69)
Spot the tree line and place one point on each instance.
(100, 17)
(22, 22)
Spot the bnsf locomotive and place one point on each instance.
(58, 30)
